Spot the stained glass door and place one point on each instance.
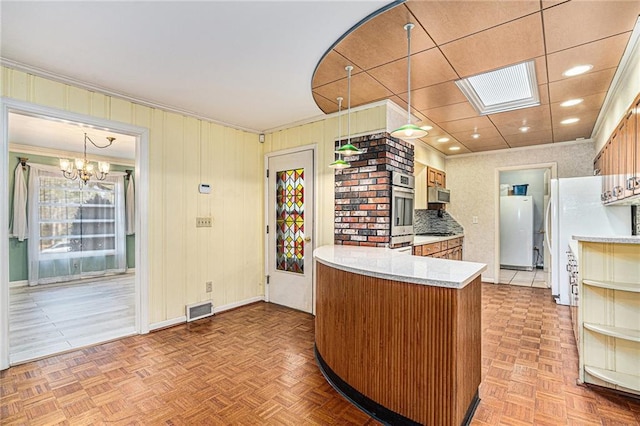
(290, 215)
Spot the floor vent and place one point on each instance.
(199, 310)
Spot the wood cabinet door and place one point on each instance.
(417, 250)
(629, 155)
(441, 179)
(431, 177)
(606, 172)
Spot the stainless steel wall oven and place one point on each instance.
(402, 195)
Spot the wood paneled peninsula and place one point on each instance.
(399, 335)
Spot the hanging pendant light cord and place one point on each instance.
(409, 27)
(349, 68)
(339, 120)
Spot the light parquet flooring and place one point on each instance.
(255, 365)
(52, 318)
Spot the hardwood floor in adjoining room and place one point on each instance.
(255, 365)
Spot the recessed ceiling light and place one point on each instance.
(443, 140)
(475, 135)
(454, 148)
(570, 121)
(571, 102)
(580, 69)
(524, 129)
(427, 127)
(504, 89)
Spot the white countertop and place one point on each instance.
(428, 239)
(630, 239)
(393, 265)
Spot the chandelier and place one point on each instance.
(83, 169)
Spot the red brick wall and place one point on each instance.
(363, 192)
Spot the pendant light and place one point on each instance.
(409, 131)
(348, 149)
(339, 163)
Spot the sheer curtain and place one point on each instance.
(75, 230)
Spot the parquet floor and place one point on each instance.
(255, 365)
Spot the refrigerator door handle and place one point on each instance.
(547, 225)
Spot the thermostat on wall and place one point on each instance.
(204, 188)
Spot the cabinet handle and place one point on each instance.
(617, 190)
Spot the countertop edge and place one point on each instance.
(621, 239)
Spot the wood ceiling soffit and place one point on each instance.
(590, 103)
(435, 96)
(332, 68)
(383, 39)
(581, 85)
(468, 124)
(507, 44)
(428, 67)
(602, 54)
(531, 137)
(326, 105)
(364, 89)
(597, 20)
(451, 112)
(446, 21)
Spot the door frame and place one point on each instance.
(496, 215)
(9, 105)
(314, 150)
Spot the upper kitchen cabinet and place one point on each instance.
(436, 177)
(619, 160)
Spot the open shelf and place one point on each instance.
(627, 381)
(632, 287)
(618, 332)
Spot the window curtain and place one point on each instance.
(92, 245)
(131, 206)
(18, 228)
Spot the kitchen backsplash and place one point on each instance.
(428, 222)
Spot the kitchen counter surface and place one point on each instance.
(428, 239)
(389, 264)
(631, 239)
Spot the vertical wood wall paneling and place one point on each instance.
(414, 349)
(194, 284)
(215, 247)
(48, 93)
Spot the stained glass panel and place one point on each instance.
(290, 220)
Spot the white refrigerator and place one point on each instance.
(575, 209)
(516, 232)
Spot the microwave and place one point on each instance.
(438, 195)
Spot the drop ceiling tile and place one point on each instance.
(486, 134)
(432, 139)
(602, 54)
(326, 105)
(529, 138)
(594, 20)
(590, 103)
(587, 119)
(450, 20)
(509, 123)
(462, 150)
(364, 90)
(476, 144)
(573, 132)
(507, 44)
(451, 112)
(427, 68)
(543, 90)
(550, 3)
(436, 96)
(383, 39)
(467, 124)
(581, 85)
(488, 147)
(541, 69)
(331, 68)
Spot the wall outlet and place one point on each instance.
(209, 286)
(474, 219)
(204, 222)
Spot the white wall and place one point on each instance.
(471, 179)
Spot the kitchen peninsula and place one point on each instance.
(399, 335)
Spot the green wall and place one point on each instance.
(18, 270)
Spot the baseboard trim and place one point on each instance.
(216, 309)
(16, 284)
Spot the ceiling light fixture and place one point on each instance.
(83, 168)
(454, 148)
(570, 121)
(475, 133)
(348, 149)
(504, 89)
(409, 131)
(442, 140)
(571, 102)
(580, 69)
(524, 129)
(426, 127)
(339, 163)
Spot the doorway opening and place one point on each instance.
(79, 295)
(522, 197)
